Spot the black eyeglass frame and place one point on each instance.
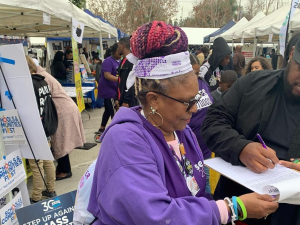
(189, 104)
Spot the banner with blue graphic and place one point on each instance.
(55, 211)
(8, 213)
(12, 172)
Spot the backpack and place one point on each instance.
(46, 105)
(81, 215)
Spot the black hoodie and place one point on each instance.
(210, 70)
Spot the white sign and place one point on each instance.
(19, 80)
(8, 213)
(46, 18)
(270, 37)
(11, 128)
(248, 56)
(282, 34)
(77, 30)
(12, 172)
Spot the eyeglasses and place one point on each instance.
(189, 104)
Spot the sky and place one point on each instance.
(186, 6)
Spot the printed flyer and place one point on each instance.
(12, 172)
(11, 126)
(8, 213)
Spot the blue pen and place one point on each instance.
(263, 144)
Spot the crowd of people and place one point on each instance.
(170, 110)
(191, 105)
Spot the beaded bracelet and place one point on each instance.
(233, 215)
(244, 210)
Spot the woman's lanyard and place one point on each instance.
(185, 167)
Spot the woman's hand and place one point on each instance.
(259, 206)
(290, 165)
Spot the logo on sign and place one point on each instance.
(51, 204)
(9, 169)
(10, 214)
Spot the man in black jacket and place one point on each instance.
(125, 98)
(264, 102)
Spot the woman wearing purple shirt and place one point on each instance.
(107, 87)
(150, 167)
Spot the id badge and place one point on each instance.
(204, 101)
(192, 185)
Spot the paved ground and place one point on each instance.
(80, 159)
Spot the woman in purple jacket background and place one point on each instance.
(150, 167)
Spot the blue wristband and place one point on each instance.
(234, 202)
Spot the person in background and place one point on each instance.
(108, 53)
(239, 61)
(257, 63)
(85, 54)
(107, 87)
(125, 98)
(199, 116)
(290, 49)
(70, 131)
(265, 102)
(67, 59)
(98, 66)
(58, 67)
(42, 92)
(274, 57)
(40, 56)
(227, 80)
(210, 71)
(204, 51)
(140, 177)
(26, 45)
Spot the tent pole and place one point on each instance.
(254, 45)
(232, 42)
(101, 45)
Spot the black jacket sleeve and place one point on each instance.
(218, 129)
(130, 94)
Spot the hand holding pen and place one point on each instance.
(258, 158)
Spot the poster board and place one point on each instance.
(8, 212)
(77, 75)
(20, 84)
(12, 130)
(12, 172)
(57, 210)
(85, 63)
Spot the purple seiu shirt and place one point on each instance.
(137, 180)
(198, 118)
(107, 88)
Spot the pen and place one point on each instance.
(261, 141)
(263, 144)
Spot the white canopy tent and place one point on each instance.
(20, 18)
(25, 18)
(258, 17)
(275, 28)
(264, 24)
(196, 35)
(228, 34)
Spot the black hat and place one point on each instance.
(296, 55)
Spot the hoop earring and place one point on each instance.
(153, 111)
